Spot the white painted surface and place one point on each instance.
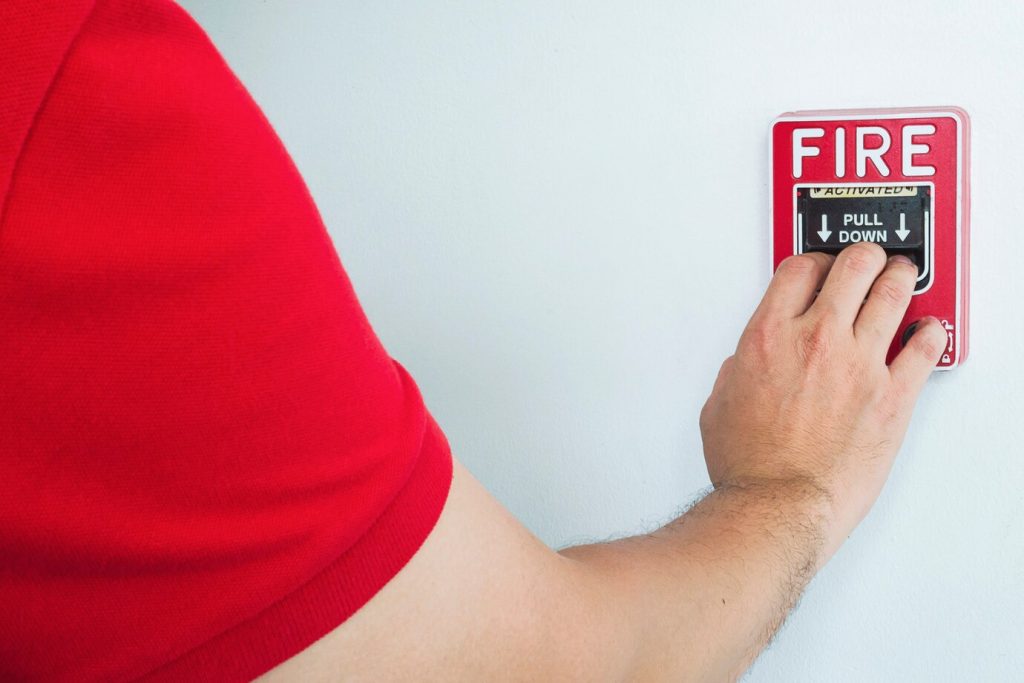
(555, 216)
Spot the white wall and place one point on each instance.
(555, 215)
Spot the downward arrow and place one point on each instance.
(903, 232)
(824, 233)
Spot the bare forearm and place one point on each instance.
(806, 399)
(702, 596)
(799, 434)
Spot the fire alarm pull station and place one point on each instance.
(897, 177)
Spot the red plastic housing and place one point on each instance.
(927, 147)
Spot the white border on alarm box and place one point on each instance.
(929, 229)
(865, 116)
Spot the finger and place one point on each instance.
(848, 282)
(794, 285)
(887, 302)
(914, 364)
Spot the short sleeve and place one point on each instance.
(208, 458)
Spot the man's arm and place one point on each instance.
(800, 432)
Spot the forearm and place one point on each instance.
(701, 597)
(807, 392)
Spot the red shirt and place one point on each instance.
(207, 459)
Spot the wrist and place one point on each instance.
(799, 507)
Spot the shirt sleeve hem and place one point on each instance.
(305, 615)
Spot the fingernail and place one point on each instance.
(900, 258)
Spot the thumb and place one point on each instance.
(914, 364)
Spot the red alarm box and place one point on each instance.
(897, 177)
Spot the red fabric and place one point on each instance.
(207, 459)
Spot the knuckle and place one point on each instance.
(814, 342)
(858, 263)
(761, 339)
(891, 292)
(863, 257)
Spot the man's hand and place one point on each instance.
(807, 396)
(800, 432)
